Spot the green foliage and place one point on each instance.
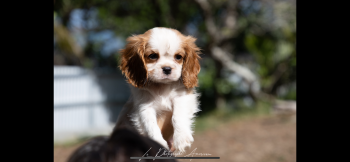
(223, 86)
(207, 74)
(269, 52)
(291, 95)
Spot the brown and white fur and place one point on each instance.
(161, 66)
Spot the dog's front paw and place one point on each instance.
(162, 142)
(181, 141)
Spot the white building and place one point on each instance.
(86, 102)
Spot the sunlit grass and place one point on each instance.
(73, 142)
(220, 116)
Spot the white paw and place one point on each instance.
(162, 142)
(182, 140)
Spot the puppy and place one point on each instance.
(161, 66)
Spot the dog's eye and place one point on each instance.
(153, 56)
(178, 57)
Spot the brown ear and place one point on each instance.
(132, 61)
(190, 67)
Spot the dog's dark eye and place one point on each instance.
(178, 57)
(153, 56)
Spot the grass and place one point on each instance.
(74, 142)
(224, 115)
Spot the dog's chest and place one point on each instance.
(163, 99)
(163, 104)
(165, 125)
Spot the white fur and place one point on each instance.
(164, 40)
(166, 43)
(164, 93)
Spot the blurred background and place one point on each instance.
(247, 79)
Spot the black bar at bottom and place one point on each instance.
(174, 157)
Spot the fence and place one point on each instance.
(86, 102)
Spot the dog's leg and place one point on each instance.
(184, 109)
(171, 144)
(148, 118)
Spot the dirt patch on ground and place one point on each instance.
(270, 139)
(61, 153)
(262, 139)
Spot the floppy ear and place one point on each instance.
(132, 61)
(190, 67)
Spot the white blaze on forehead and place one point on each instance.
(164, 40)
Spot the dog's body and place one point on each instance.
(161, 66)
(158, 111)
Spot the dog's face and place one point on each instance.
(164, 56)
(160, 55)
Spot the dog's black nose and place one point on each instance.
(166, 70)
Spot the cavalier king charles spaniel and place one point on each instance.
(161, 66)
